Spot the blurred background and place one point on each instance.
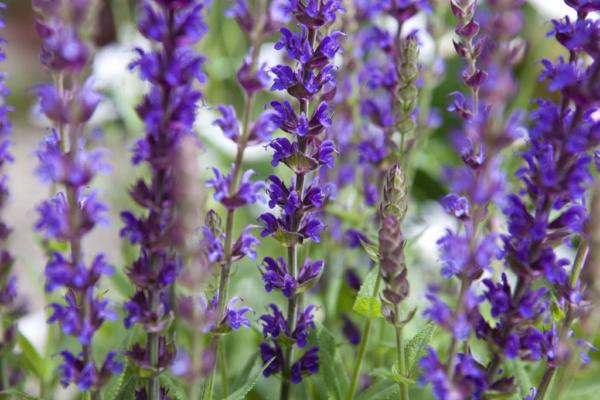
(116, 126)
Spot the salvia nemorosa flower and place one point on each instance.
(237, 189)
(311, 81)
(172, 69)
(66, 161)
(550, 210)
(467, 253)
(10, 307)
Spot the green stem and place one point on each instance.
(223, 369)
(363, 344)
(401, 359)
(291, 318)
(568, 321)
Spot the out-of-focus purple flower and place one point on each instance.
(350, 330)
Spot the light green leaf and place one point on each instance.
(383, 390)
(416, 347)
(371, 250)
(34, 361)
(350, 217)
(558, 313)
(250, 376)
(15, 394)
(333, 369)
(393, 375)
(175, 389)
(367, 301)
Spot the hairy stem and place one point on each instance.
(401, 359)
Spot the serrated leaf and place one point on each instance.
(383, 390)
(416, 347)
(175, 389)
(112, 388)
(15, 394)
(367, 301)
(250, 377)
(393, 375)
(333, 370)
(371, 250)
(34, 361)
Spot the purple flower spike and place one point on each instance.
(172, 68)
(75, 210)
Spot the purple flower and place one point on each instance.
(228, 122)
(235, 317)
(308, 364)
(276, 275)
(247, 192)
(350, 330)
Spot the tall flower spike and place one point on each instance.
(66, 162)
(236, 189)
(550, 209)
(467, 253)
(10, 307)
(388, 102)
(311, 82)
(172, 69)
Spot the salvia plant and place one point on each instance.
(299, 199)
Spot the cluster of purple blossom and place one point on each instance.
(67, 163)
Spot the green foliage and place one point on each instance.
(334, 372)
(416, 348)
(383, 390)
(250, 375)
(16, 394)
(368, 303)
(33, 361)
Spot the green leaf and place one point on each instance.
(112, 388)
(416, 347)
(350, 217)
(371, 250)
(383, 390)
(16, 394)
(558, 313)
(34, 361)
(523, 379)
(175, 389)
(367, 301)
(392, 375)
(250, 377)
(333, 369)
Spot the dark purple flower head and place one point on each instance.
(308, 364)
(350, 330)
